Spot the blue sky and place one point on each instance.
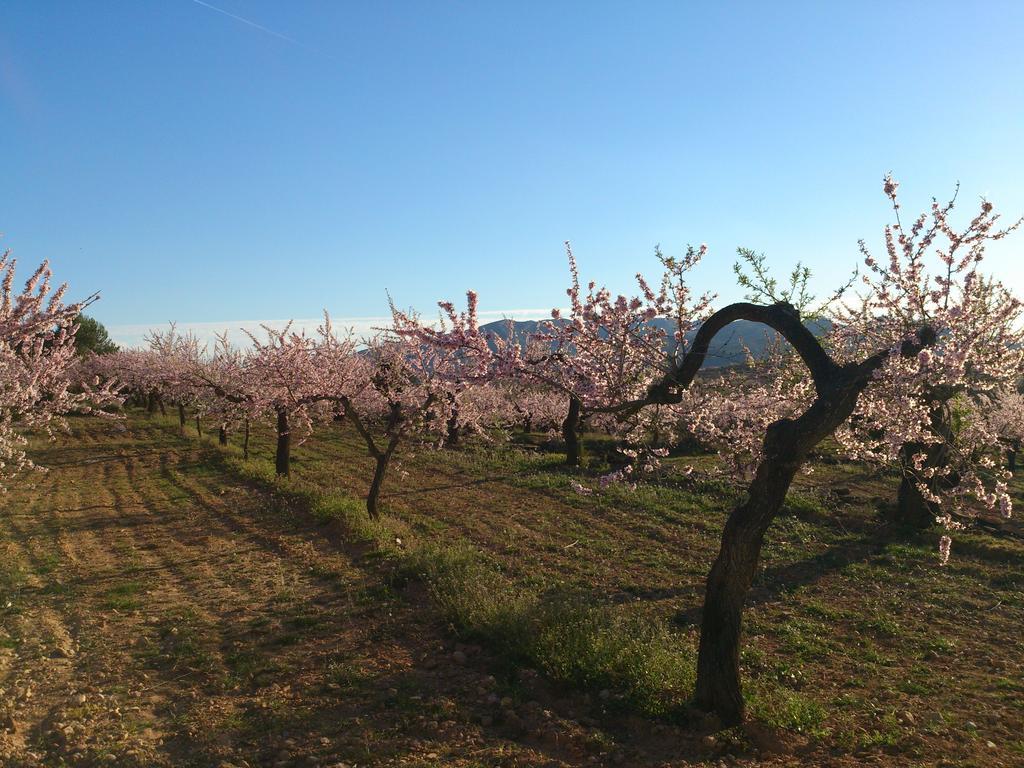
(197, 168)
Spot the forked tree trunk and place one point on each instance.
(181, 418)
(245, 442)
(381, 457)
(282, 461)
(571, 433)
(222, 435)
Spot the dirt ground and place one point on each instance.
(156, 612)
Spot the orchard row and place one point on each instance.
(915, 364)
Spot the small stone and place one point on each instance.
(605, 694)
(459, 657)
(990, 744)
(934, 719)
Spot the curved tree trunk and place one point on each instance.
(379, 471)
(160, 403)
(222, 435)
(787, 444)
(282, 461)
(718, 662)
(245, 442)
(181, 418)
(199, 426)
(571, 433)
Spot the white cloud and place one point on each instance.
(361, 327)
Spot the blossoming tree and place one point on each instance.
(892, 348)
(288, 373)
(38, 363)
(931, 278)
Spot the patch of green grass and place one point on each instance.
(880, 625)
(783, 708)
(888, 733)
(303, 621)
(48, 563)
(803, 506)
(581, 587)
(336, 506)
(123, 597)
(636, 658)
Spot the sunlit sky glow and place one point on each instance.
(203, 161)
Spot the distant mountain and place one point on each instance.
(726, 349)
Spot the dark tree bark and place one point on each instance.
(393, 430)
(199, 427)
(160, 403)
(245, 442)
(912, 508)
(151, 403)
(282, 460)
(1011, 455)
(786, 447)
(181, 418)
(222, 435)
(571, 433)
(452, 427)
(380, 470)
